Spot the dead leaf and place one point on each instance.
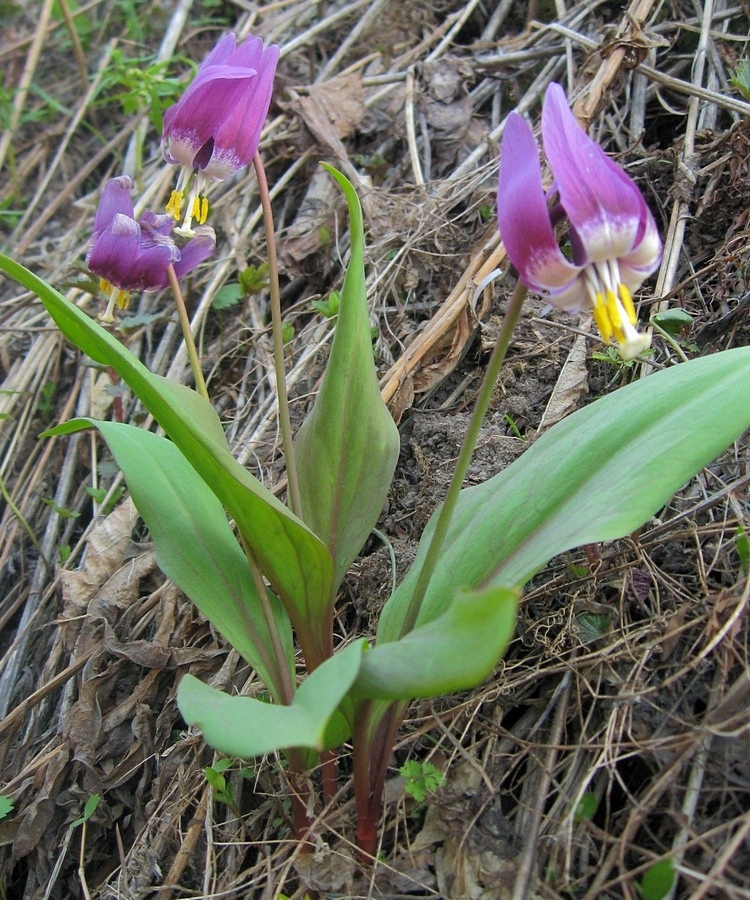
(571, 386)
(107, 547)
(332, 110)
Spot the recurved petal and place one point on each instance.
(115, 200)
(604, 205)
(196, 250)
(114, 250)
(523, 217)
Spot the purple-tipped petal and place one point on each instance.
(523, 216)
(196, 251)
(605, 208)
(126, 259)
(215, 127)
(115, 200)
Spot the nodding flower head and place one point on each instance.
(213, 131)
(613, 237)
(134, 255)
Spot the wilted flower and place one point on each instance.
(214, 129)
(130, 255)
(613, 238)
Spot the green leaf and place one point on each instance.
(6, 807)
(741, 78)
(244, 727)
(228, 296)
(347, 448)
(195, 546)
(658, 880)
(454, 652)
(596, 476)
(88, 810)
(673, 321)
(422, 778)
(296, 563)
(586, 807)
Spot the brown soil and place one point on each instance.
(628, 680)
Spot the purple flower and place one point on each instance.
(214, 129)
(613, 237)
(130, 255)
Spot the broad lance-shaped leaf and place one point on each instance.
(454, 652)
(596, 476)
(195, 546)
(293, 559)
(347, 447)
(245, 727)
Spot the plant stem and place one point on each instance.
(187, 334)
(481, 406)
(278, 338)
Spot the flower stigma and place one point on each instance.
(613, 309)
(117, 297)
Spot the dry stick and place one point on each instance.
(188, 845)
(484, 398)
(83, 71)
(525, 869)
(187, 333)
(26, 78)
(278, 338)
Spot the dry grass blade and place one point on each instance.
(614, 734)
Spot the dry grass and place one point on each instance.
(629, 680)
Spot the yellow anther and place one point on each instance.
(200, 209)
(627, 302)
(174, 207)
(601, 317)
(613, 311)
(123, 299)
(105, 286)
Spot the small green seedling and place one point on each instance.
(88, 810)
(743, 548)
(222, 789)
(328, 307)
(6, 807)
(741, 78)
(422, 779)
(658, 880)
(586, 807)
(251, 280)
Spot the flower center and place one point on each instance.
(613, 309)
(197, 204)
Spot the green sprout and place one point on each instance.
(422, 779)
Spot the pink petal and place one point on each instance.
(604, 206)
(115, 200)
(523, 216)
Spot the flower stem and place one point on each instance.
(187, 334)
(481, 406)
(278, 339)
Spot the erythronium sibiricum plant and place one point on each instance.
(614, 240)
(269, 581)
(213, 131)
